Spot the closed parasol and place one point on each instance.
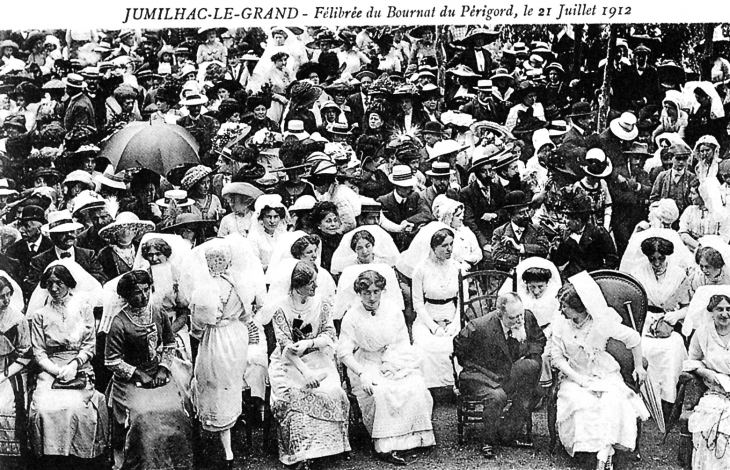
(159, 147)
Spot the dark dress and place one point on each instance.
(152, 423)
(14, 347)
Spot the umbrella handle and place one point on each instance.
(627, 304)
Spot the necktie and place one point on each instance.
(65, 254)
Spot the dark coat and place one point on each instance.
(482, 351)
(573, 150)
(91, 240)
(357, 108)
(429, 194)
(596, 250)
(476, 205)
(19, 252)
(664, 188)
(111, 264)
(87, 259)
(488, 111)
(411, 210)
(468, 58)
(79, 112)
(504, 254)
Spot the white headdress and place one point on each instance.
(16, 299)
(419, 249)
(347, 298)
(546, 306)
(697, 314)
(384, 249)
(592, 297)
(87, 288)
(634, 258)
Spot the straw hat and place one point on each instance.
(194, 99)
(303, 203)
(440, 170)
(61, 222)
(295, 127)
(7, 187)
(244, 189)
(445, 147)
(87, 200)
(112, 181)
(80, 176)
(403, 176)
(624, 127)
(187, 220)
(179, 196)
(129, 221)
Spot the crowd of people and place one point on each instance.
(188, 214)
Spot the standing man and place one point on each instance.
(79, 108)
(573, 148)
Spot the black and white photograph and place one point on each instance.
(479, 246)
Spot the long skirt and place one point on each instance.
(313, 423)
(665, 357)
(152, 426)
(435, 355)
(67, 422)
(12, 412)
(710, 428)
(591, 420)
(398, 413)
(218, 375)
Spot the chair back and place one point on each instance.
(627, 296)
(478, 292)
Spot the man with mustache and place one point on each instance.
(519, 238)
(501, 358)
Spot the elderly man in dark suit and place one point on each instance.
(517, 239)
(583, 246)
(573, 147)
(403, 204)
(676, 182)
(62, 230)
(358, 102)
(79, 108)
(33, 242)
(482, 198)
(501, 356)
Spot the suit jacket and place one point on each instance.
(410, 210)
(429, 194)
(482, 350)
(488, 111)
(91, 240)
(418, 119)
(357, 109)
(79, 111)
(506, 256)
(596, 250)
(476, 205)
(468, 58)
(573, 150)
(664, 187)
(87, 259)
(19, 252)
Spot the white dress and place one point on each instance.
(398, 414)
(589, 420)
(435, 281)
(664, 355)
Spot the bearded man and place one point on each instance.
(519, 238)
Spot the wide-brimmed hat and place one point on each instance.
(440, 170)
(32, 212)
(445, 147)
(489, 36)
(680, 149)
(17, 121)
(557, 66)
(74, 80)
(368, 205)
(501, 74)
(129, 221)
(462, 70)
(624, 127)
(194, 175)
(322, 167)
(403, 176)
(485, 85)
(535, 62)
(597, 164)
(516, 199)
(304, 93)
(80, 176)
(324, 36)
(366, 73)
(87, 200)
(307, 68)
(178, 196)
(406, 91)
(51, 175)
(419, 31)
(7, 187)
(244, 189)
(54, 84)
(430, 90)
(329, 104)
(194, 99)
(9, 43)
(295, 127)
(483, 157)
(111, 180)
(60, 222)
(339, 128)
(187, 220)
(580, 109)
(303, 203)
(639, 149)
(541, 138)
(503, 158)
(218, 30)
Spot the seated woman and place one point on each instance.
(307, 399)
(712, 258)
(665, 282)
(14, 357)
(269, 224)
(364, 245)
(466, 247)
(538, 283)
(67, 416)
(117, 257)
(383, 368)
(596, 410)
(151, 428)
(709, 357)
(701, 218)
(435, 300)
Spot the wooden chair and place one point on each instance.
(478, 292)
(691, 389)
(628, 297)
